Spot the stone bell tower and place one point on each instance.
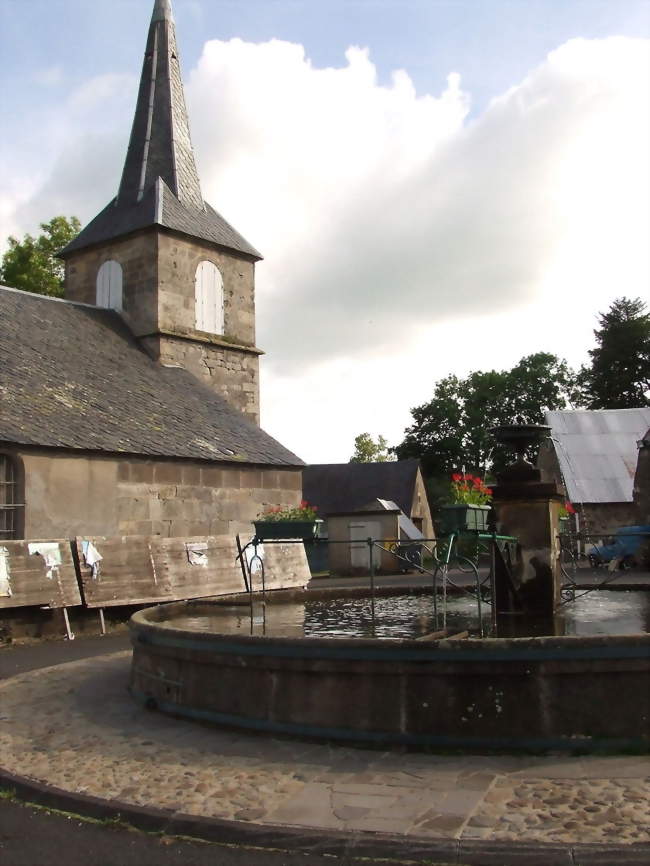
(180, 275)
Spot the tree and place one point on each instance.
(31, 265)
(619, 374)
(366, 450)
(452, 431)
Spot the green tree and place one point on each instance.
(452, 430)
(619, 374)
(31, 264)
(366, 450)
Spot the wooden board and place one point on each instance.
(125, 576)
(26, 579)
(215, 572)
(285, 566)
(145, 570)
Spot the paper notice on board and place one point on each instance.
(5, 586)
(50, 552)
(197, 553)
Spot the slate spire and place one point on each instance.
(160, 144)
(160, 185)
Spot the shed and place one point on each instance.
(594, 453)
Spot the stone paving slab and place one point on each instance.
(75, 727)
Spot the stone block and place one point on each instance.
(142, 473)
(167, 472)
(123, 471)
(191, 474)
(211, 476)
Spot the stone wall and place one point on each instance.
(67, 494)
(233, 372)
(138, 256)
(158, 272)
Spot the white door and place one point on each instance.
(359, 534)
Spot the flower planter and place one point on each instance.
(267, 529)
(457, 518)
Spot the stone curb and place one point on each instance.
(444, 852)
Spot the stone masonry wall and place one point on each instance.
(178, 498)
(138, 257)
(233, 373)
(178, 259)
(158, 272)
(69, 494)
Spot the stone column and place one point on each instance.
(529, 509)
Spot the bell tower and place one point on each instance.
(182, 278)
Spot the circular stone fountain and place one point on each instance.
(226, 662)
(494, 693)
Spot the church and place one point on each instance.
(131, 407)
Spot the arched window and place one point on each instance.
(11, 495)
(109, 286)
(208, 293)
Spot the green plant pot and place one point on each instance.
(267, 529)
(459, 518)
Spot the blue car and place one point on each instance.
(623, 545)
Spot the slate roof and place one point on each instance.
(73, 376)
(160, 184)
(597, 451)
(342, 487)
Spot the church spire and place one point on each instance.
(160, 144)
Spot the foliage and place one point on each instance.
(619, 374)
(366, 450)
(469, 489)
(452, 431)
(31, 264)
(304, 511)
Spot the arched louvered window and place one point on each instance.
(109, 286)
(11, 496)
(208, 292)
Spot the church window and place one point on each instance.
(10, 495)
(109, 286)
(208, 289)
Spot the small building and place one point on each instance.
(594, 454)
(336, 488)
(132, 406)
(382, 521)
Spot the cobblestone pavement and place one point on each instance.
(75, 727)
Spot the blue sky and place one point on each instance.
(491, 43)
(483, 204)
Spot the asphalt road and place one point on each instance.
(31, 837)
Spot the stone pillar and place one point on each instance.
(529, 509)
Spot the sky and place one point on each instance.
(437, 186)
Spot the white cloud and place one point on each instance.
(402, 241)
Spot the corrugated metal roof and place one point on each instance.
(597, 451)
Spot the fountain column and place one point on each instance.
(529, 509)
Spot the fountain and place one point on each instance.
(229, 662)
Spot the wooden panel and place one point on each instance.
(144, 570)
(219, 573)
(285, 566)
(126, 574)
(26, 575)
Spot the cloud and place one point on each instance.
(402, 240)
(382, 212)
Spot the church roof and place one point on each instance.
(160, 184)
(73, 376)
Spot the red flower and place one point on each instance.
(488, 490)
(456, 477)
(569, 508)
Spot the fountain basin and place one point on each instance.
(473, 694)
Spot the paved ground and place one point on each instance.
(88, 737)
(71, 736)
